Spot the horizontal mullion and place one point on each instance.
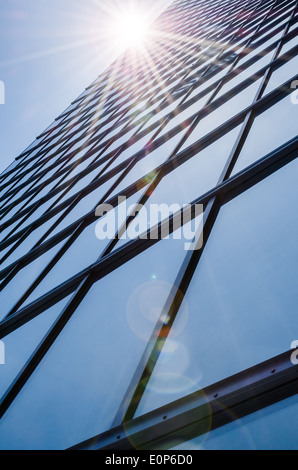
(242, 394)
(224, 192)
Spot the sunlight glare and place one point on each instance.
(130, 29)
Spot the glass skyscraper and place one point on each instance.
(132, 341)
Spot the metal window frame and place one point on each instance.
(244, 393)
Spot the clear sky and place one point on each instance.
(50, 51)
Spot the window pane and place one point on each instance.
(150, 162)
(23, 280)
(240, 308)
(222, 114)
(186, 114)
(85, 251)
(281, 75)
(20, 344)
(192, 179)
(270, 130)
(289, 45)
(246, 73)
(28, 243)
(84, 206)
(75, 392)
(197, 175)
(273, 428)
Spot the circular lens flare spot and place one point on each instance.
(145, 307)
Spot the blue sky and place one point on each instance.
(50, 51)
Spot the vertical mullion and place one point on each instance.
(42, 349)
(171, 309)
(248, 122)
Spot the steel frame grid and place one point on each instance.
(142, 134)
(31, 150)
(226, 189)
(114, 172)
(273, 97)
(201, 147)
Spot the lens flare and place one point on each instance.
(130, 29)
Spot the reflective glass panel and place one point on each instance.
(20, 344)
(270, 130)
(240, 308)
(75, 392)
(273, 428)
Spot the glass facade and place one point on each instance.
(133, 342)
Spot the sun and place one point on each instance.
(130, 29)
